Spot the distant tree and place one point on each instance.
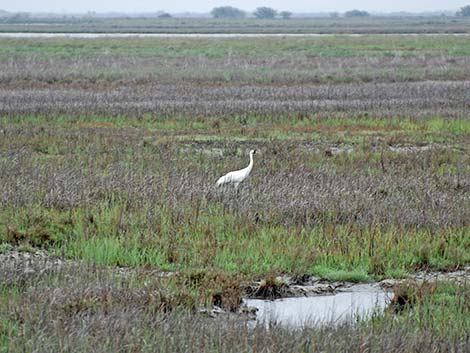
(164, 15)
(265, 12)
(356, 13)
(4, 13)
(285, 14)
(334, 15)
(20, 16)
(464, 11)
(227, 12)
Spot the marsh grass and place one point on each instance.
(361, 175)
(88, 309)
(150, 24)
(113, 63)
(432, 304)
(129, 195)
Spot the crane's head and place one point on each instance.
(252, 151)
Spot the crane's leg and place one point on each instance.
(236, 187)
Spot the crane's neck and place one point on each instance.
(251, 163)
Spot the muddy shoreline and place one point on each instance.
(32, 263)
(308, 285)
(40, 261)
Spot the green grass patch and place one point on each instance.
(333, 46)
(441, 308)
(213, 241)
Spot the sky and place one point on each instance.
(248, 5)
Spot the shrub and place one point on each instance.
(227, 12)
(265, 12)
(356, 13)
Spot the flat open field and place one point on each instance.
(370, 25)
(109, 153)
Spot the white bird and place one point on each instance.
(237, 176)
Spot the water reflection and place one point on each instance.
(318, 310)
(205, 35)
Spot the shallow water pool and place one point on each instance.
(321, 309)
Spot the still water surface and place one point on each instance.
(322, 309)
(201, 35)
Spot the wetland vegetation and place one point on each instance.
(109, 153)
(354, 25)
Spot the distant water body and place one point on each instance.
(205, 35)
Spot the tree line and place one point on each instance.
(268, 12)
(233, 12)
(260, 12)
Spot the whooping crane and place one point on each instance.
(237, 176)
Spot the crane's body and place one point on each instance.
(237, 176)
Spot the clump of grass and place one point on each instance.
(216, 287)
(440, 308)
(270, 288)
(408, 294)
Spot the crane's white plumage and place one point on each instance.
(237, 176)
